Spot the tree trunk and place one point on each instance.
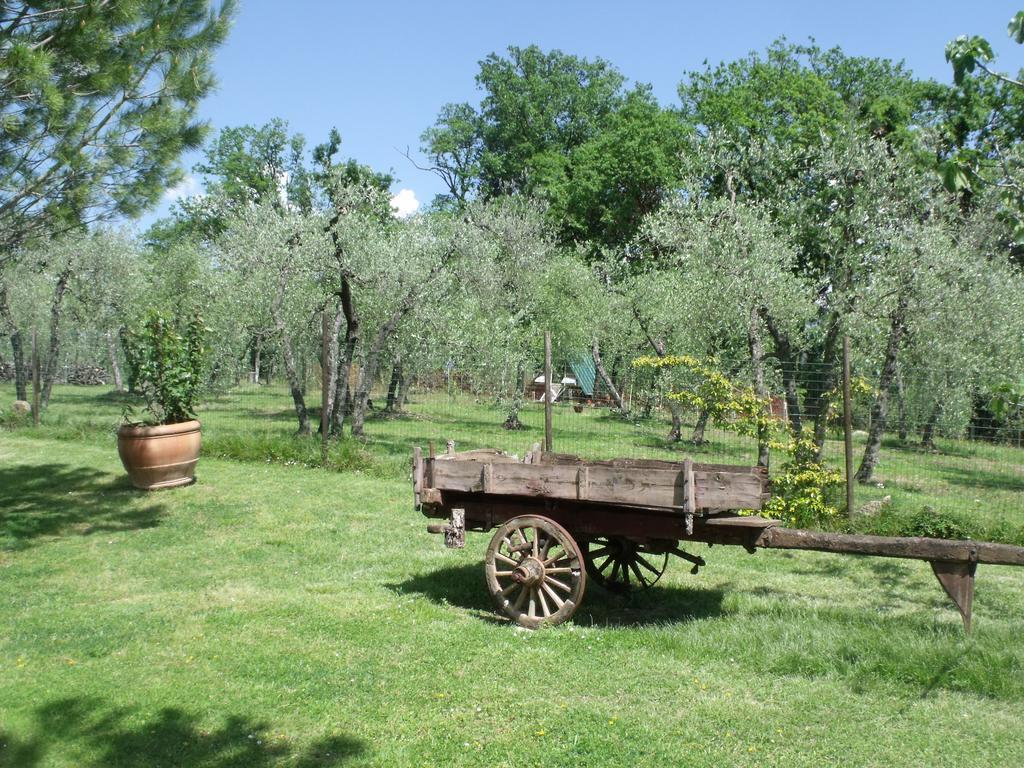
(827, 385)
(288, 355)
(788, 366)
(53, 352)
(757, 365)
(880, 408)
(403, 391)
(21, 373)
(595, 352)
(675, 434)
(928, 431)
(368, 374)
(329, 370)
(257, 350)
(367, 377)
(342, 405)
(394, 387)
(515, 402)
(115, 365)
(901, 408)
(698, 430)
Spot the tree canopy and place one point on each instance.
(97, 103)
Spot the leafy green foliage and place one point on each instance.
(565, 130)
(965, 53)
(166, 366)
(927, 522)
(622, 174)
(98, 103)
(802, 492)
(984, 156)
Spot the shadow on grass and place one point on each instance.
(973, 477)
(44, 500)
(463, 586)
(90, 733)
(111, 396)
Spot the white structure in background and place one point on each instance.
(557, 388)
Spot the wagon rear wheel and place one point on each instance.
(620, 565)
(534, 571)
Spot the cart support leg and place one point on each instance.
(697, 561)
(958, 581)
(454, 532)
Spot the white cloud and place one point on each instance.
(405, 204)
(187, 187)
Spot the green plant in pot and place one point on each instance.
(166, 362)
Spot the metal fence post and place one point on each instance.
(848, 426)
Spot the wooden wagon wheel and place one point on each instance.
(535, 571)
(619, 565)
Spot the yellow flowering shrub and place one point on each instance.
(801, 491)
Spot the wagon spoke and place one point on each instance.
(521, 599)
(505, 559)
(543, 602)
(544, 550)
(552, 594)
(643, 561)
(555, 558)
(561, 585)
(639, 576)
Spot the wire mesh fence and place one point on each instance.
(930, 439)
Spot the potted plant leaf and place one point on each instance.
(166, 361)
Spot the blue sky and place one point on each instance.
(379, 72)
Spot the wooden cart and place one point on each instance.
(560, 520)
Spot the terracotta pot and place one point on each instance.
(159, 457)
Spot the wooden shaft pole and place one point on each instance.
(36, 398)
(848, 426)
(325, 386)
(547, 391)
(911, 548)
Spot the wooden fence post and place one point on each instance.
(36, 399)
(325, 386)
(547, 391)
(848, 427)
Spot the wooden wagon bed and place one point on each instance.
(560, 519)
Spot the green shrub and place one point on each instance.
(166, 366)
(293, 450)
(936, 525)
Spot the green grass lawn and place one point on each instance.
(273, 615)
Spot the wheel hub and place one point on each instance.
(529, 572)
